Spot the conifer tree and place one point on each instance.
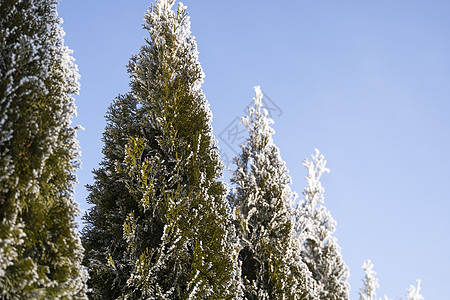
(178, 237)
(414, 292)
(315, 227)
(368, 291)
(262, 208)
(40, 252)
(105, 247)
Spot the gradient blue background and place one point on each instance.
(366, 82)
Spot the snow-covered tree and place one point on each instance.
(262, 209)
(370, 285)
(315, 226)
(414, 292)
(179, 236)
(40, 251)
(105, 247)
(370, 282)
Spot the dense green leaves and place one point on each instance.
(39, 245)
(179, 233)
(105, 247)
(160, 225)
(161, 185)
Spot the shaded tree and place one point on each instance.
(102, 236)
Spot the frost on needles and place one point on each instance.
(315, 227)
(160, 225)
(40, 251)
(370, 285)
(271, 266)
(176, 229)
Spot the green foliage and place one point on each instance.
(179, 234)
(159, 227)
(39, 246)
(102, 237)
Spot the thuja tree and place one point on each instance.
(370, 285)
(40, 252)
(414, 292)
(262, 208)
(370, 282)
(315, 227)
(178, 236)
(102, 236)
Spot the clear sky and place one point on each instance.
(366, 82)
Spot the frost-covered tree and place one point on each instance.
(105, 247)
(414, 292)
(178, 236)
(370, 282)
(370, 285)
(40, 251)
(262, 209)
(314, 227)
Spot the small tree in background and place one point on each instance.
(40, 251)
(315, 227)
(414, 292)
(178, 236)
(262, 201)
(368, 291)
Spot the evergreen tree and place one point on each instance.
(105, 247)
(177, 237)
(262, 208)
(315, 227)
(414, 292)
(40, 252)
(368, 291)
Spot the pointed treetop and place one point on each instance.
(316, 167)
(258, 96)
(165, 4)
(368, 291)
(315, 227)
(258, 122)
(414, 293)
(261, 201)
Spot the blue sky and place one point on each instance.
(366, 82)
